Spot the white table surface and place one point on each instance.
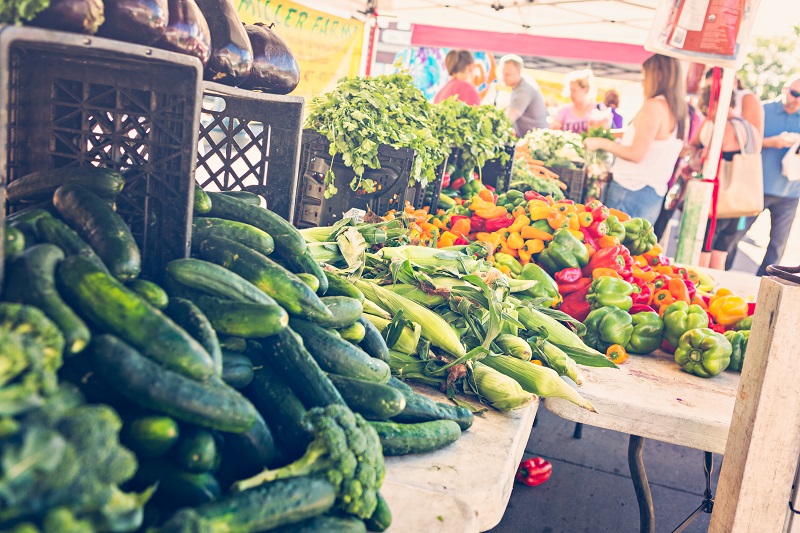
(419, 510)
(478, 468)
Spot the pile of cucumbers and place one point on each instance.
(214, 365)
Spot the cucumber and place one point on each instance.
(177, 488)
(188, 316)
(245, 196)
(373, 342)
(202, 203)
(250, 236)
(381, 519)
(404, 439)
(421, 409)
(274, 504)
(286, 288)
(374, 401)
(279, 405)
(25, 221)
(288, 240)
(152, 293)
(112, 308)
(345, 311)
(31, 280)
(196, 451)
(237, 370)
(306, 264)
(338, 356)
(326, 524)
(353, 333)
(289, 358)
(55, 232)
(250, 452)
(233, 344)
(243, 319)
(102, 228)
(150, 436)
(39, 186)
(215, 280)
(148, 384)
(309, 280)
(14, 242)
(340, 286)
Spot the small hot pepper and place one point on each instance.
(534, 471)
(598, 229)
(533, 195)
(616, 354)
(457, 183)
(494, 224)
(477, 223)
(677, 288)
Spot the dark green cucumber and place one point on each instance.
(381, 519)
(309, 280)
(196, 451)
(202, 203)
(25, 221)
(339, 286)
(290, 359)
(421, 409)
(306, 264)
(102, 228)
(286, 288)
(233, 344)
(373, 342)
(150, 436)
(279, 405)
(325, 524)
(237, 370)
(404, 439)
(344, 310)
(250, 236)
(148, 384)
(155, 295)
(336, 355)
(54, 231)
(243, 319)
(40, 186)
(31, 280)
(105, 303)
(188, 316)
(374, 401)
(353, 333)
(14, 242)
(177, 488)
(251, 451)
(215, 280)
(245, 196)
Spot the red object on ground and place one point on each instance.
(534, 471)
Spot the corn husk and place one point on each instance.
(416, 294)
(554, 357)
(557, 333)
(435, 257)
(500, 391)
(514, 346)
(371, 308)
(409, 338)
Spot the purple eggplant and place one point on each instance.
(187, 31)
(231, 53)
(80, 16)
(275, 69)
(135, 21)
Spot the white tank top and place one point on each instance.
(655, 169)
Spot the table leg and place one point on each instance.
(647, 519)
(578, 433)
(708, 498)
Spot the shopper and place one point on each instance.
(611, 101)
(651, 143)
(745, 104)
(460, 65)
(576, 115)
(526, 109)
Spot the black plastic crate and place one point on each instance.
(498, 174)
(574, 179)
(429, 196)
(75, 100)
(392, 189)
(250, 141)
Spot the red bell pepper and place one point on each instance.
(533, 195)
(616, 257)
(658, 260)
(591, 205)
(534, 471)
(568, 275)
(457, 184)
(575, 304)
(598, 229)
(446, 179)
(494, 224)
(641, 294)
(581, 284)
(667, 347)
(461, 241)
(600, 213)
(719, 328)
(660, 282)
(588, 238)
(477, 223)
(490, 187)
(640, 308)
(751, 308)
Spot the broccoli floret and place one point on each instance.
(346, 450)
(62, 520)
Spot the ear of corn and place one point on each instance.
(555, 358)
(416, 294)
(502, 392)
(372, 308)
(514, 346)
(409, 338)
(557, 333)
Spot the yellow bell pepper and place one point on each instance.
(447, 239)
(533, 204)
(728, 310)
(565, 208)
(515, 240)
(722, 291)
(519, 223)
(506, 249)
(586, 219)
(541, 213)
(557, 220)
(491, 211)
(479, 203)
(572, 219)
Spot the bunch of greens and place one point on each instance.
(481, 132)
(556, 148)
(361, 114)
(598, 131)
(17, 11)
(523, 179)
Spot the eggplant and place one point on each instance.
(275, 69)
(231, 53)
(187, 31)
(135, 21)
(79, 16)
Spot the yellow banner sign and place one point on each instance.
(326, 47)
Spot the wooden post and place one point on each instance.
(764, 439)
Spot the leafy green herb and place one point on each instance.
(522, 179)
(556, 148)
(16, 11)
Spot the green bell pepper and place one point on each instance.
(508, 260)
(615, 228)
(564, 251)
(680, 317)
(744, 324)
(703, 352)
(543, 225)
(646, 336)
(738, 340)
(546, 286)
(607, 326)
(639, 236)
(514, 194)
(607, 291)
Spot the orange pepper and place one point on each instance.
(665, 270)
(541, 213)
(640, 261)
(519, 211)
(492, 211)
(565, 208)
(529, 232)
(503, 234)
(506, 249)
(445, 240)
(638, 273)
(492, 239)
(438, 223)
(580, 208)
(663, 298)
(700, 302)
(427, 226)
(617, 354)
(654, 251)
(586, 219)
(534, 246)
(607, 241)
(461, 227)
(486, 195)
(600, 272)
(722, 291)
(515, 241)
(574, 223)
(677, 288)
(557, 220)
(623, 217)
(519, 223)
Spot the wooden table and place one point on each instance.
(416, 509)
(478, 468)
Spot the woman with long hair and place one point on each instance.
(575, 116)
(651, 144)
(459, 64)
